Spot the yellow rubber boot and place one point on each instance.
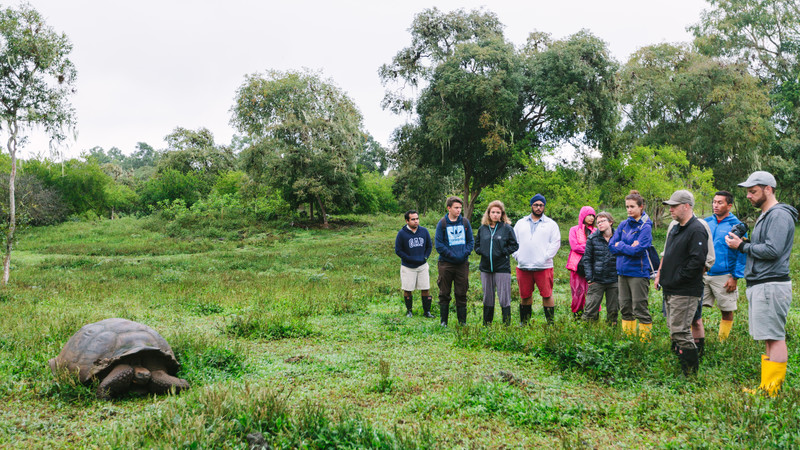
(644, 331)
(725, 329)
(629, 327)
(772, 376)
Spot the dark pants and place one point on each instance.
(633, 294)
(458, 276)
(594, 298)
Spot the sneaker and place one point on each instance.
(428, 315)
(409, 314)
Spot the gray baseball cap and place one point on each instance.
(759, 178)
(680, 197)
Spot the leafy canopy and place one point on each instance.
(715, 111)
(305, 135)
(482, 107)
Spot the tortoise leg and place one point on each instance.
(116, 382)
(161, 382)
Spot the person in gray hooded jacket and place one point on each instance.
(769, 287)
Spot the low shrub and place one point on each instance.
(269, 327)
(205, 360)
(228, 415)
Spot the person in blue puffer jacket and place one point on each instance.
(630, 243)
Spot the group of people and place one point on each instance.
(702, 261)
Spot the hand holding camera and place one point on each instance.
(736, 237)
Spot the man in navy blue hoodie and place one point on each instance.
(454, 242)
(413, 246)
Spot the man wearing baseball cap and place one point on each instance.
(681, 276)
(769, 287)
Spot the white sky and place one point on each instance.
(146, 67)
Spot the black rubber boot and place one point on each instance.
(461, 313)
(409, 305)
(488, 315)
(577, 314)
(525, 314)
(444, 311)
(701, 348)
(688, 359)
(550, 314)
(506, 315)
(426, 306)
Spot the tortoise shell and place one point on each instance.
(96, 347)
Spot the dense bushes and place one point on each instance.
(225, 200)
(36, 204)
(564, 187)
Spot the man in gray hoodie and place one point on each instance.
(769, 287)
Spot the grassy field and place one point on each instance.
(300, 334)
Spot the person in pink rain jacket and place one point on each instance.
(577, 244)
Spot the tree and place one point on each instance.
(37, 204)
(305, 134)
(373, 157)
(715, 111)
(36, 79)
(657, 172)
(485, 107)
(195, 152)
(81, 184)
(145, 155)
(569, 91)
(170, 185)
(416, 185)
(764, 35)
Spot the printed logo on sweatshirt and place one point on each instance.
(415, 242)
(456, 236)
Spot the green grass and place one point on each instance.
(299, 334)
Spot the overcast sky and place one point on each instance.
(146, 67)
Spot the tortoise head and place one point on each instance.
(141, 376)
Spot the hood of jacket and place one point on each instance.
(788, 208)
(586, 211)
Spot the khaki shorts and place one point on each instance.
(714, 289)
(415, 279)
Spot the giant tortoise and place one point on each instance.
(123, 355)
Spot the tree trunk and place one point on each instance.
(311, 211)
(322, 213)
(467, 210)
(469, 197)
(12, 204)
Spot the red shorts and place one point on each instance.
(542, 278)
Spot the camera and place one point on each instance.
(740, 230)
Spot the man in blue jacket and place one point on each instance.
(720, 280)
(454, 242)
(413, 246)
